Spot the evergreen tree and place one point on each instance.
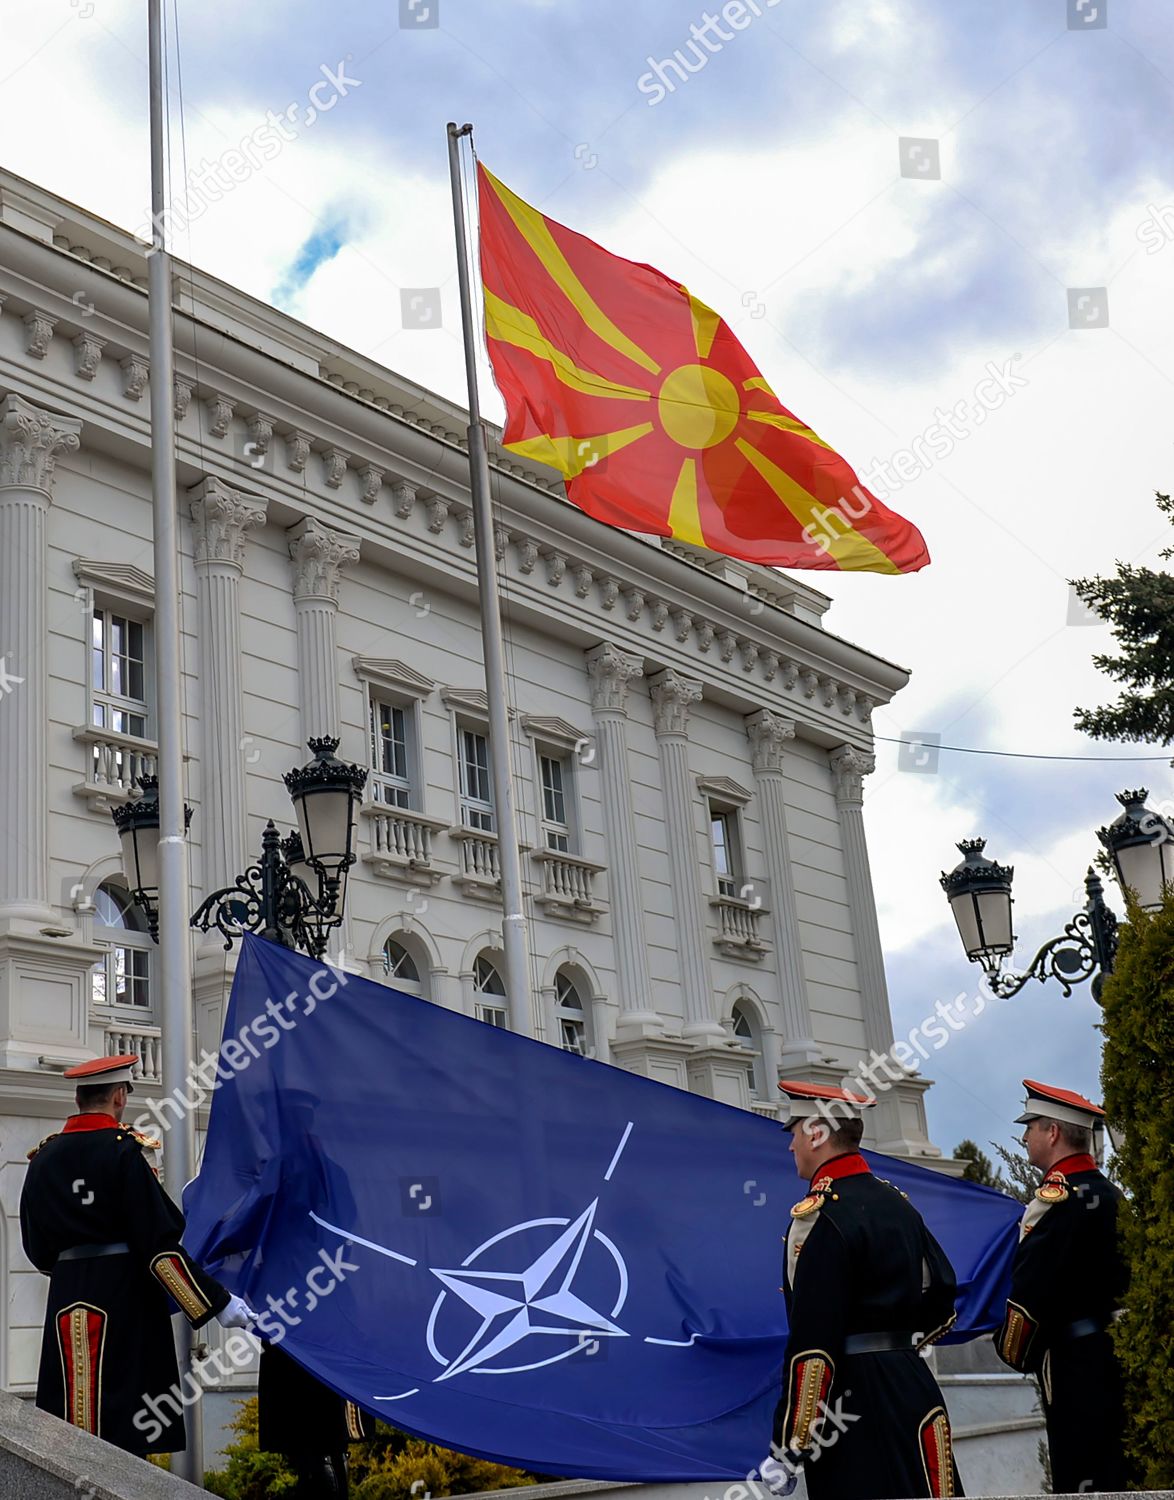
(1139, 604)
(1023, 1177)
(1138, 1079)
(978, 1165)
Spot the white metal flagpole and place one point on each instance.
(174, 936)
(515, 940)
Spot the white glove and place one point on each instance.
(236, 1313)
(780, 1479)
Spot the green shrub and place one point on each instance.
(1138, 1077)
(388, 1465)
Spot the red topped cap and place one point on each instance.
(822, 1091)
(809, 1101)
(1058, 1104)
(103, 1070)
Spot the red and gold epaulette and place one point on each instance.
(811, 1204)
(147, 1142)
(45, 1142)
(1053, 1189)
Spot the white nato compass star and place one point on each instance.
(539, 1300)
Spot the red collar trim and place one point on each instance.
(92, 1121)
(1070, 1164)
(852, 1164)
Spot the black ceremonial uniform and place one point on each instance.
(1067, 1280)
(306, 1422)
(863, 1275)
(95, 1220)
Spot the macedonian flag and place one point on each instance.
(659, 420)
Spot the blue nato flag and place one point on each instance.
(509, 1249)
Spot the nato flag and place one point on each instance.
(509, 1249)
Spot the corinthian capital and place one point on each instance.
(768, 734)
(221, 517)
(319, 556)
(672, 697)
(30, 440)
(849, 768)
(611, 670)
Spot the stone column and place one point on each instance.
(769, 733)
(30, 441)
(610, 671)
(319, 556)
(221, 519)
(672, 697)
(44, 967)
(849, 768)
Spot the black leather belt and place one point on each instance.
(91, 1252)
(877, 1343)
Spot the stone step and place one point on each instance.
(988, 1399)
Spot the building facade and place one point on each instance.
(689, 743)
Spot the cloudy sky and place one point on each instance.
(887, 199)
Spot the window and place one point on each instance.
(727, 850)
(398, 964)
(118, 673)
(476, 787)
(392, 753)
(570, 1015)
(123, 977)
(556, 818)
(746, 1033)
(489, 989)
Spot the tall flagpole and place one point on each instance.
(517, 948)
(174, 937)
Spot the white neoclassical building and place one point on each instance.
(689, 743)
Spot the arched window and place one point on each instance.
(401, 968)
(489, 992)
(123, 977)
(748, 1034)
(572, 1017)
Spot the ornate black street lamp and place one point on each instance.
(1141, 845)
(290, 896)
(138, 829)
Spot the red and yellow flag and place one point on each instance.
(644, 400)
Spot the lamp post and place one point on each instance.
(1140, 844)
(295, 893)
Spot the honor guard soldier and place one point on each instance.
(867, 1287)
(308, 1424)
(95, 1220)
(1067, 1281)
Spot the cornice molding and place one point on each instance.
(123, 581)
(388, 672)
(554, 730)
(724, 789)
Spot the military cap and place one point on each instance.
(809, 1101)
(103, 1070)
